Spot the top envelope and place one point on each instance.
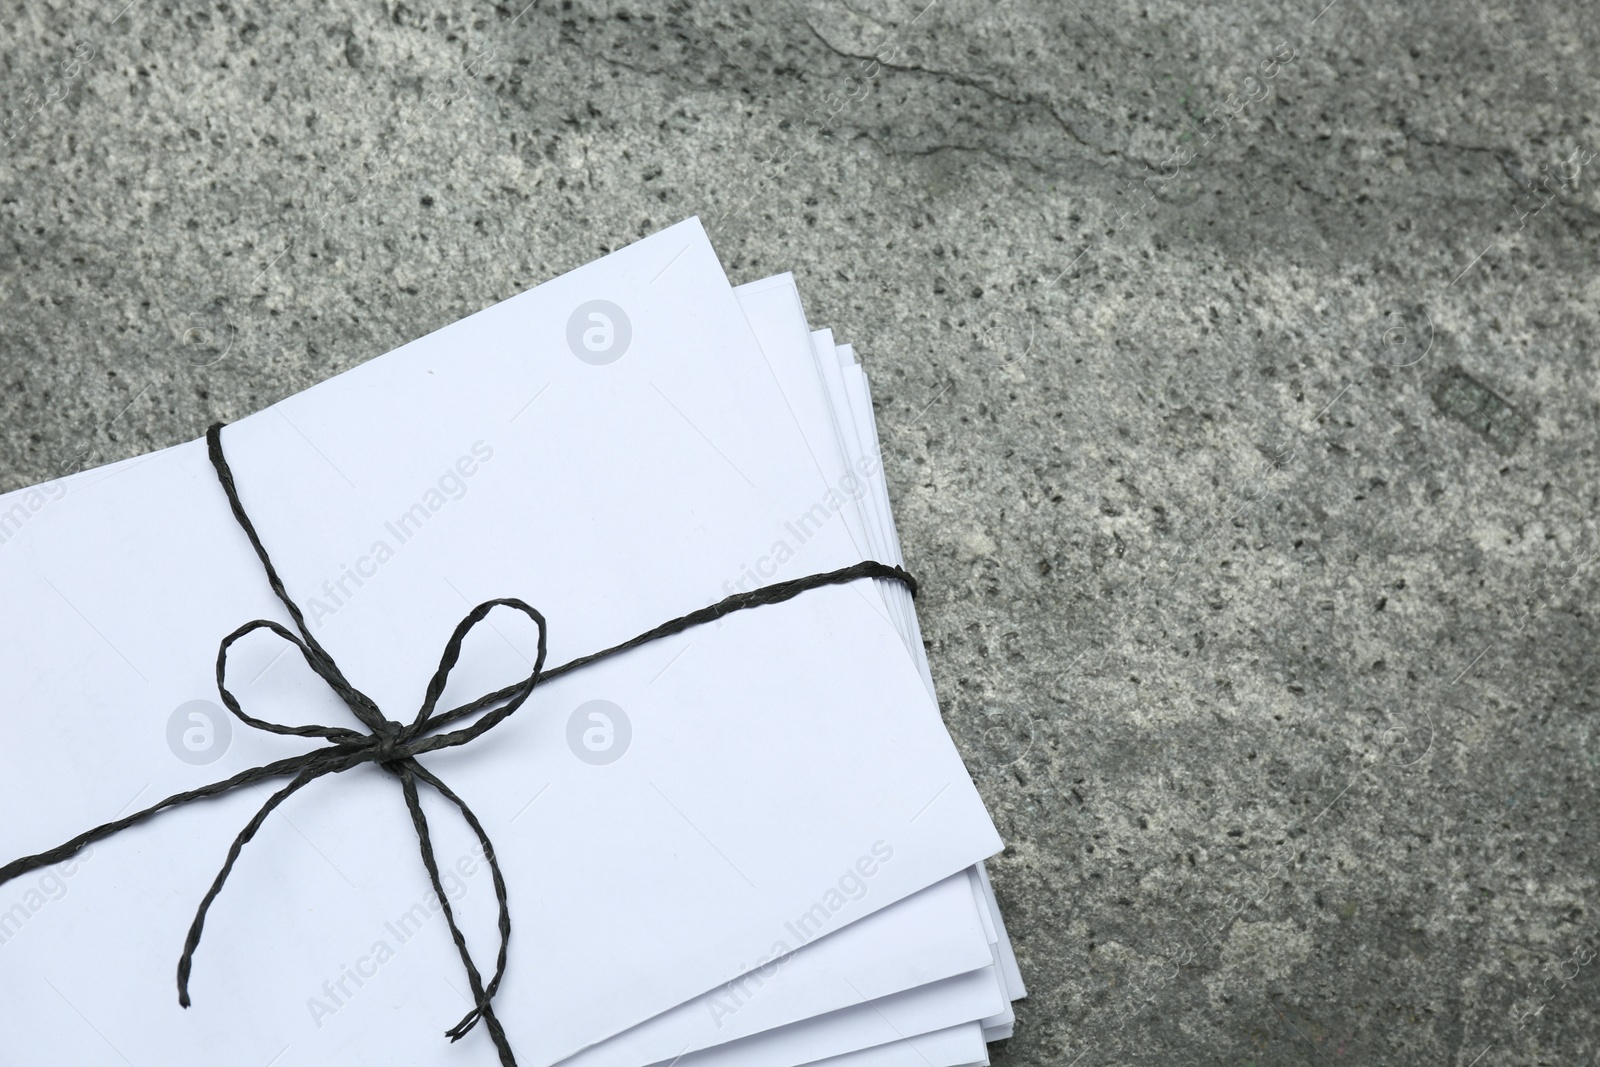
(610, 447)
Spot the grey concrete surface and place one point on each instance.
(1235, 365)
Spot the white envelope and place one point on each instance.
(862, 447)
(929, 936)
(956, 1046)
(886, 1020)
(884, 543)
(936, 934)
(773, 754)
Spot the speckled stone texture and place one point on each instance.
(1235, 366)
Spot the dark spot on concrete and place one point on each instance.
(1463, 397)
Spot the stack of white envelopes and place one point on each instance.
(747, 844)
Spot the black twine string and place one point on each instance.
(394, 747)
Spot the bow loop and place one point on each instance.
(425, 721)
(317, 660)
